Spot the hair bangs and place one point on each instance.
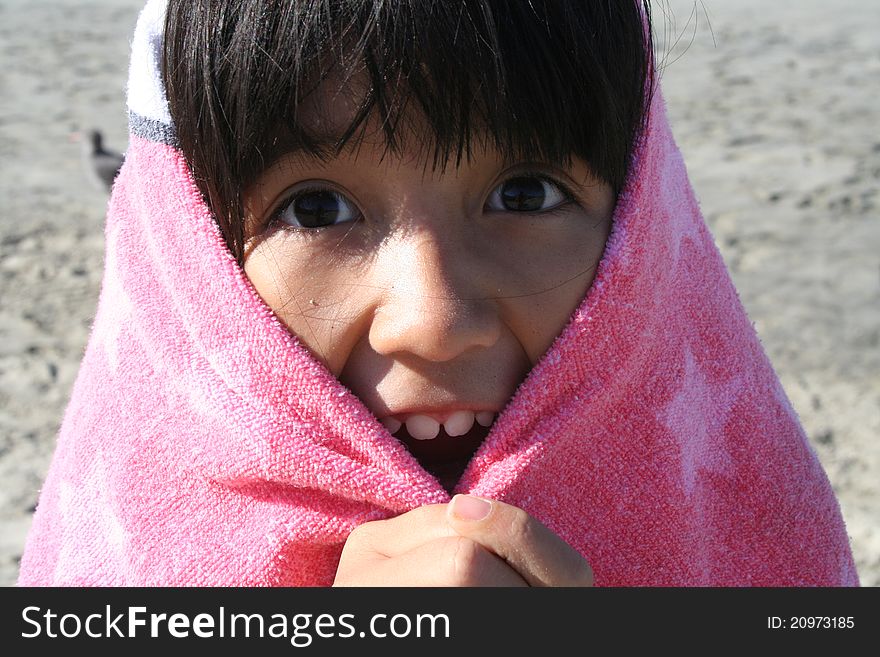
(538, 80)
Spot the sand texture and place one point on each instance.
(774, 107)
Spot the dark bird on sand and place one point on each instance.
(102, 164)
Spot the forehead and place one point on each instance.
(328, 111)
(342, 115)
(344, 124)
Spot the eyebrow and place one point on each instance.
(316, 149)
(312, 147)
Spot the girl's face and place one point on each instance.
(429, 293)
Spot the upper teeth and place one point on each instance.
(391, 424)
(422, 427)
(425, 427)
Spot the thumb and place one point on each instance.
(540, 557)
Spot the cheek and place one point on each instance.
(313, 299)
(551, 273)
(537, 320)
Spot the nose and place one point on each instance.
(438, 302)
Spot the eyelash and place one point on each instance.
(543, 177)
(276, 219)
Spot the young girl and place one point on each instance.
(364, 256)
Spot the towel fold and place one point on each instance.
(204, 445)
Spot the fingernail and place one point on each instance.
(468, 507)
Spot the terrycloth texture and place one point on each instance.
(204, 446)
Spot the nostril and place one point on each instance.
(434, 330)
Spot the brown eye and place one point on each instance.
(526, 194)
(318, 208)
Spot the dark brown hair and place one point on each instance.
(538, 79)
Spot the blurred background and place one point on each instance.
(774, 106)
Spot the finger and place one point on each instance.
(400, 534)
(447, 561)
(541, 557)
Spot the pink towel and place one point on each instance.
(203, 445)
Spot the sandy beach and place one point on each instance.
(774, 106)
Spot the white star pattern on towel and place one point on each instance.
(121, 307)
(700, 442)
(74, 514)
(689, 230)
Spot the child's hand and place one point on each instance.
(468, 542)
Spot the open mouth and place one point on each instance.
(443, 448)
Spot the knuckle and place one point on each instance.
(359, 534)
(366, 535)
(521, 529)
(464, 558)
